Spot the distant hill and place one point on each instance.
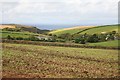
(24, 28)
(7, 26)
(100, 29)
(86, 29)
(71, 30)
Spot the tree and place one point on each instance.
(82, 41)
(50, 34)
(33, 38)
(66, 36)
(114, 32)
(77, 40)
(19, 38)
(102, 37)
(93, 38)
(9, 37)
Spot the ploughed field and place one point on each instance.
(33, 61)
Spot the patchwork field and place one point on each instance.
(4, 34)
(72, 30)
(88, 29)
(101, 29)
(30, 61)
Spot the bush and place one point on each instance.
(19, 38)
(82, 41)
(61, 40)
(33, 38)
(66, 36)
(10, 38)
(77, 40)
(93, 39)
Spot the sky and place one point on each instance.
(59, 12)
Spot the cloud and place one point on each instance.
(62, 10)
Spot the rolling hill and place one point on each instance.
(24, 28)
(101, 29)
(86, 29)
(72, 30)
(7, 26)
(4, 34)
(16, 30)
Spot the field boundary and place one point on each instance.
(58, 44)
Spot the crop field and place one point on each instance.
(33, 61)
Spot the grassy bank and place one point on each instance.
(114, 43)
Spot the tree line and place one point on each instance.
(87, 38)
(76, 38)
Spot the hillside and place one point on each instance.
(72, 30)
(23, 28)
(101, 29)
(7, 26)
(4, 34)
(86, 29)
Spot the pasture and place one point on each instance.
(114, 43)
(71, 31)
(101, 29)
(89, 30)
(24, 34)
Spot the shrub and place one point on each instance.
(10, 38)
(33, 38)
(61, 40)
(82, 41)
(77, 40)
(94, 38)
(19, 38)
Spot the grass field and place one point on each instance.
(30, 61)
(58, 32)
(101, 29)
(71, 31)
(90, 30)
(106, 44)
(4, 34)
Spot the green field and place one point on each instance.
(106, 44)
(100, 29)
(4, 34)
(92, 30)
(72, 31)
(32, 61)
